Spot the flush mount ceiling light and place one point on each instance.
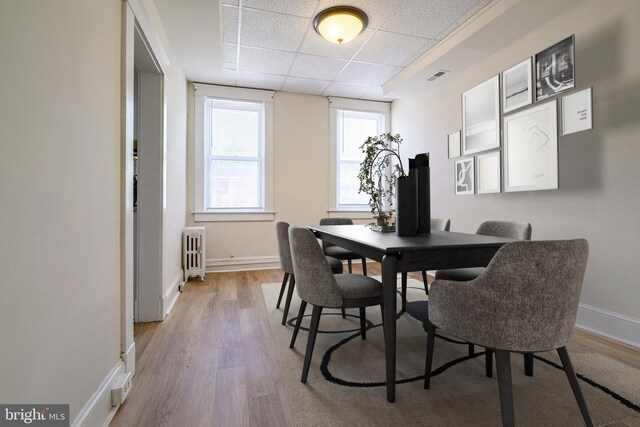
(340, 24)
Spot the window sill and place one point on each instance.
(233, 216)
(350, 214)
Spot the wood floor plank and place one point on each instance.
(212, 361)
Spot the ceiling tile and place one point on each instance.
(377, 10)
(229, 55)
(308, 86)
(392, 48)
(468, 13)
(260, 81)
(366, 74)
(304, 8)
(345, 90)
(265, 60)
(429, 18)
(375, 93)
(230, 24)
(316, 67)
(315, 44)
(272, 30)
(231, 2)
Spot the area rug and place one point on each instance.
(346, 379)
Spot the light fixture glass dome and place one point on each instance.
(340, 24)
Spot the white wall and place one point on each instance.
(60, 199)
(301, 182)
(599, 195)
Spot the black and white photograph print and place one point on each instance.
(517, 90)
(464, 176)
(555, 69)
(481, 117)
(531, 149)
(453, 142)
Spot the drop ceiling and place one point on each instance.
(271, 44)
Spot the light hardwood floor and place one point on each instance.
(211, 361)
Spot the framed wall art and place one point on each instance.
(576, 112)
(464, 176)
(531, 149)
(488, 172)
(517, 90)
(453, 141)
(481, 117)
(555, 69)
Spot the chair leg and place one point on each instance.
(431, 335)
(503, 361)
(303, 306)
(424, 280)
(287, 303)
(363, 323)
(571, 375)
(282, 288)
(364, 266)
(382, 314)
(404, 291)
(472, 349)
(528, 364)
(344, 313)
(311, 341)
(488, 362)
(349, 264)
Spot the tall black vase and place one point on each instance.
(407, 204)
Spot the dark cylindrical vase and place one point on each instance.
(407, 205)
(424, 200)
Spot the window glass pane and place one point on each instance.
(234, 184)
(356, 128)
(348, 185)
(235, 132)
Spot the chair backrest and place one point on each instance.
(284, 249)
(334, 221)
(534, 289)
(315, 282)
(442, 224)
(508, 229)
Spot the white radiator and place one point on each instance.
(193, 252)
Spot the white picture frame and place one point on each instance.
(464, 176)
(577, 112)
(481, 117)
(531, 149)
(453, 145)
(488, 176)
(517, 89)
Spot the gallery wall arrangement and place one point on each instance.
(509, 141)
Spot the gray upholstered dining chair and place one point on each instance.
(510, 229)
(442, 224)
(320, 288)
(337, 251)
(525, 301)
(286, 264)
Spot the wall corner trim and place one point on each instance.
(171, 296)
(619, 327)
(98, 410)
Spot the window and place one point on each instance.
(352, 122)
(232, 155)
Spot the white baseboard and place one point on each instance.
(171, 296)
(129, 359)
(612, 325)
(242, 263)
(98, 408)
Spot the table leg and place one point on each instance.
(389, 272)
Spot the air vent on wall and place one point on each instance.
(437, 75)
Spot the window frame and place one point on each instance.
(202, 94)
(337, 104)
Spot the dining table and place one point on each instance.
(430, 251)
